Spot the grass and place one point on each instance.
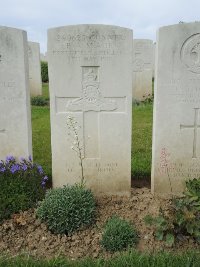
(41, 137)
(141, 141)
(45, 90)
(131, 258)
(141, 137)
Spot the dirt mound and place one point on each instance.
(24, 233)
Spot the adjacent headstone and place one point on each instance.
(142, 69)
(176, 134)
(35, 78)
(90, 80)
(15, 115)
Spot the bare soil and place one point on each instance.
(24, 233)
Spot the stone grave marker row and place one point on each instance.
(90, 70)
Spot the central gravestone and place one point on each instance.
(90, 80)
(15, 111)
(176, 134)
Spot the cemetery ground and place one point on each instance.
(24, 234)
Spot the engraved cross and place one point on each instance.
(194, 127)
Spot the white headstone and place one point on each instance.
(142, 68)
(35, 78)
(176, 134)
(15, 115)
(90, 79)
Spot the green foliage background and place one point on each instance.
(44, 72)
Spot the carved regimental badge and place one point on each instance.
(190, 53)
(91, 99)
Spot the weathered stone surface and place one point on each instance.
(35, 78)
(91, 80)
(15, 116)
(176, 142)
(142, 68)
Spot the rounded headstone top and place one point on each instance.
(77, 26)
(5, 28)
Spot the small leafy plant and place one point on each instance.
(118, 234)
(67, 209)
(164, 227)
(39, 101)
(22, 185)
(183, 218)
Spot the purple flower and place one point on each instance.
(43, 183)
(40, 169)
(45, 178)
(2, 169)
(14, 168)
(22, 159)
(9, 158)
(24, 167)
(30, 158)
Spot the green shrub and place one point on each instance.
(44, 72)
(182, 218)
(21, 185)
(38, 101)
(118, 234)
(67, 209)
